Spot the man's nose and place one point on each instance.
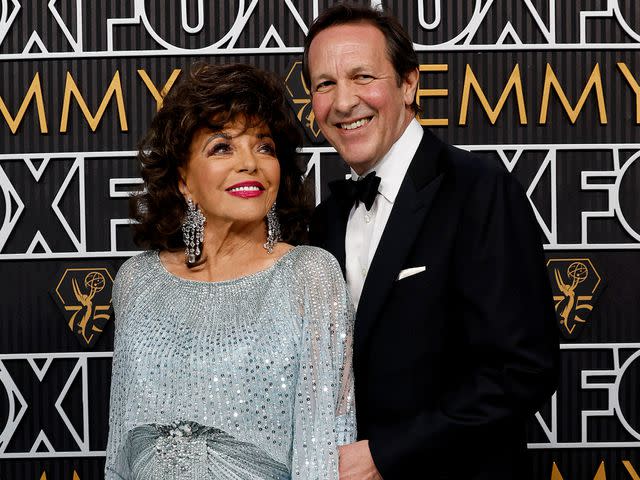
(346, 98)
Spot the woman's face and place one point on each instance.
(232, 174)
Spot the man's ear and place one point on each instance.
(410, 85)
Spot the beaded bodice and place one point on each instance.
(263, 360)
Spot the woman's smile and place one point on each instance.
(248, 189)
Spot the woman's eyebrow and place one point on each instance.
(213, 136)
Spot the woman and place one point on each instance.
(232, 348)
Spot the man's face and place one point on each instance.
(356, 99)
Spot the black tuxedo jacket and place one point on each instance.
(451, 362)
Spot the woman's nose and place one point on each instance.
(247, 161)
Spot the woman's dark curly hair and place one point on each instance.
(211, 96)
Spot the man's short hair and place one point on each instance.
(399, 45)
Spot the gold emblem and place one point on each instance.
(75, 476)
(299, 97)
(576, 285)
(84, 297)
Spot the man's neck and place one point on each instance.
(355, 173)
(393, 150)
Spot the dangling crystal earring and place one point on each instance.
(193, 232)
(273, 229)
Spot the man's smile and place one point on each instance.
(354, 124)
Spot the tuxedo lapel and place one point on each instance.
(415, 196)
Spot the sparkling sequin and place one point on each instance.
(247, 379)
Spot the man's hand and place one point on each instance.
(356, 462)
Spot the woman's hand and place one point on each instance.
(356, 462)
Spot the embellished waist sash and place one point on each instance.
(189, 451)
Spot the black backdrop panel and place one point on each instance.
(548, 88)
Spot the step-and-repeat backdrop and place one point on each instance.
(550, 88)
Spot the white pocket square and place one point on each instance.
(407, 272)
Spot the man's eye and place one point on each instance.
(323, 85)
(364, 78)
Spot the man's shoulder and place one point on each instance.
(477, 178)
(473, 164)
(465, 170)
(457, 163)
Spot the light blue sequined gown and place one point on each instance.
(242, 379)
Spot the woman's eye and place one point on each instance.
(219, 148)
(268, 149)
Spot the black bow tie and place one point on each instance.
(352, 191)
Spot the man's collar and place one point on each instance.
(394, 165)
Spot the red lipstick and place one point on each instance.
(248, 189)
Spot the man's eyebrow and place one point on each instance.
(359, 69)
(353, 71)
(215, 135)
(264, 135)
(319, 78)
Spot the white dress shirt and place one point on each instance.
(364, 228)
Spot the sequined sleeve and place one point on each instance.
(116, 467)
(324, 415)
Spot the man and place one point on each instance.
(455, 343)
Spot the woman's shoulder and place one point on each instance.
(137, 265)
(130, 276)
(306, 255)
(313, 262)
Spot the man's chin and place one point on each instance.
(358, 164)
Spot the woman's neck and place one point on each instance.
(229, 241)
(228, 252)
